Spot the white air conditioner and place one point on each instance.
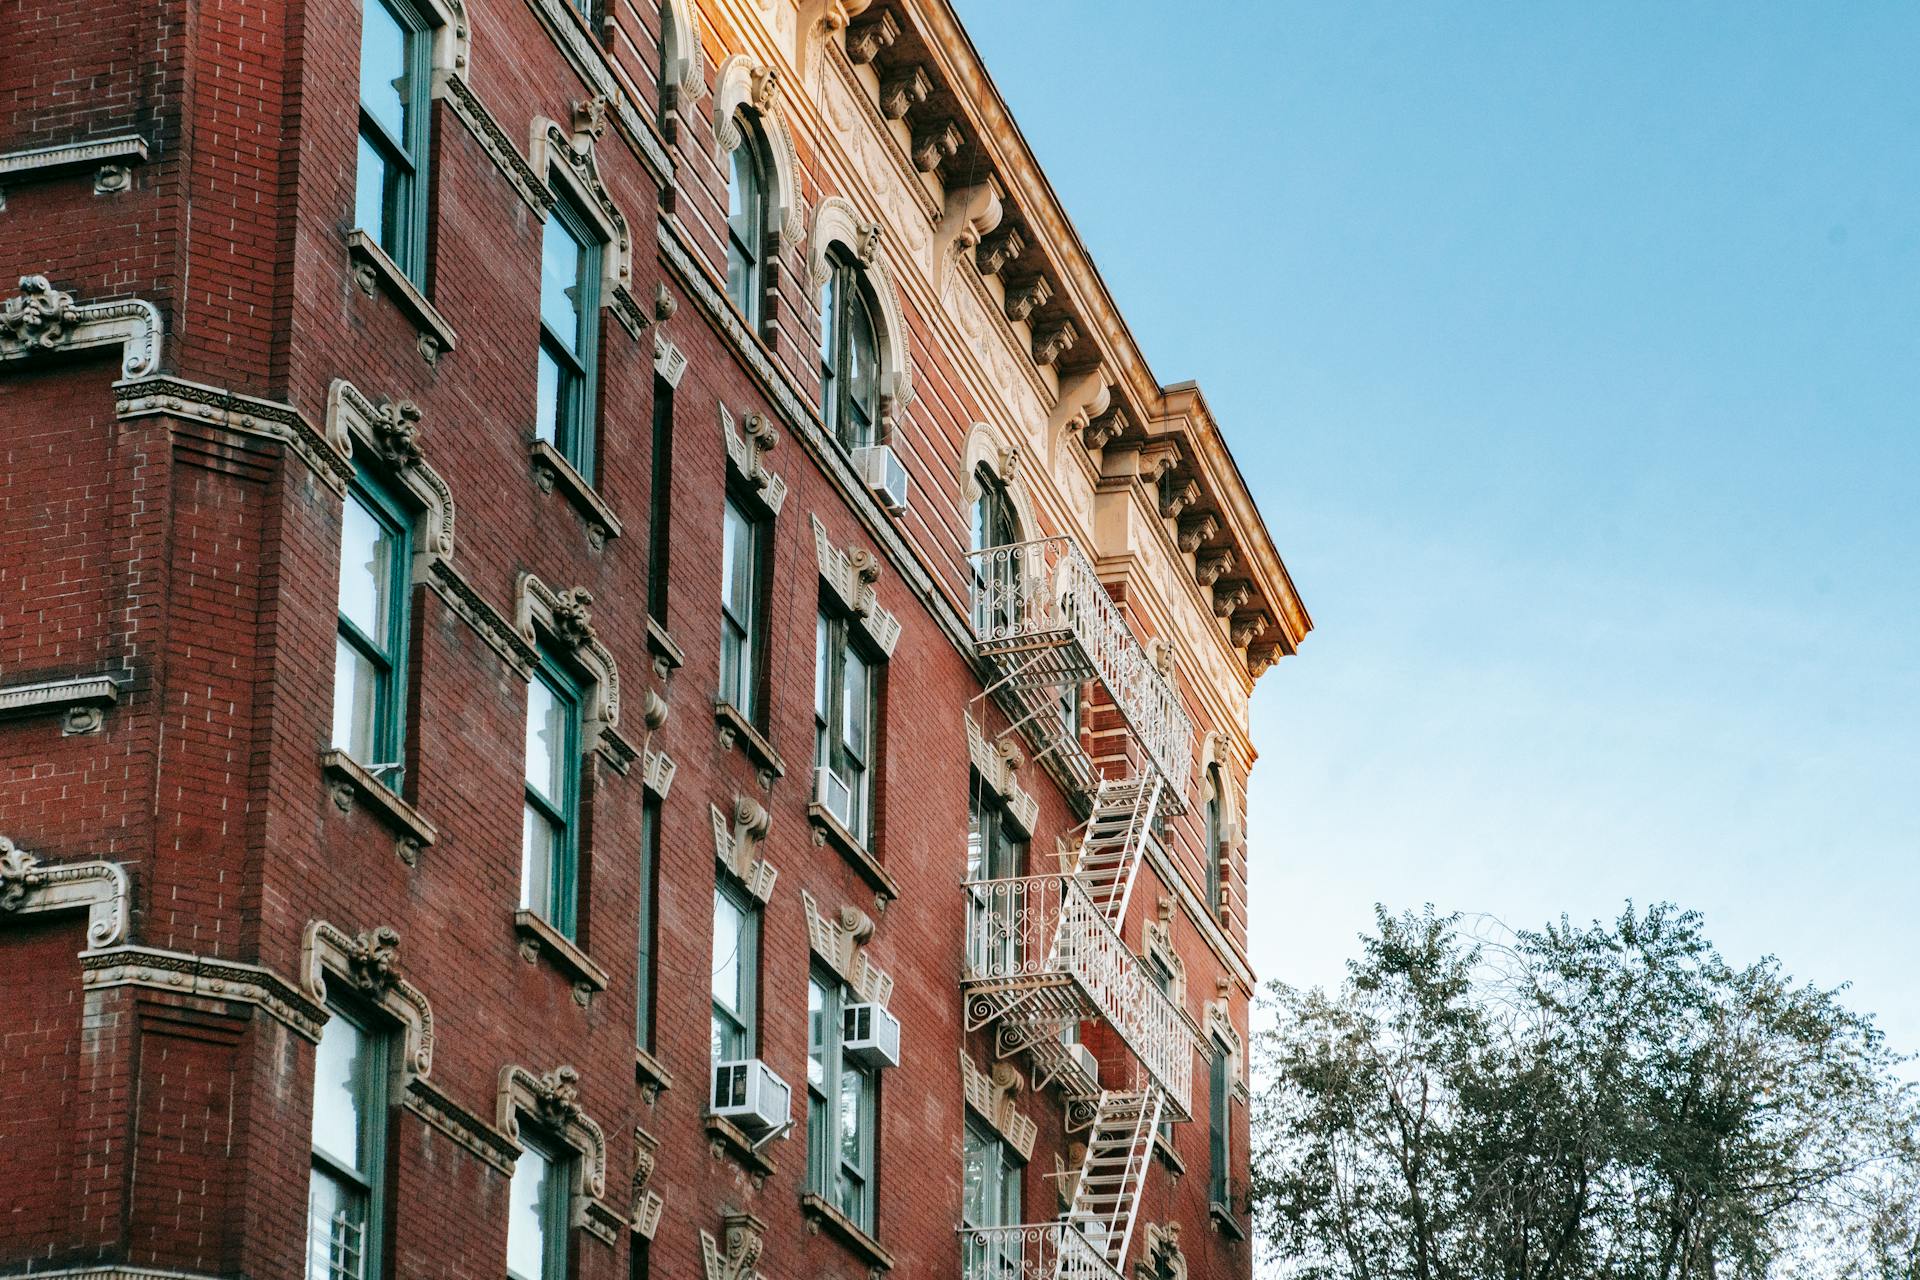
(747, 1092)
(870, 1035)
(880, 468)
(1084, 1058)
(831, 792)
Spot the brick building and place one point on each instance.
(611, 662)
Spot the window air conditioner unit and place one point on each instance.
(747, 1092)
(870, 1035)
(880, 469)
(831, 792)
(1084, 1059)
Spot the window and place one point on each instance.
(1162, 977)
(1219, 1102)
(849, 357)
(649, 888)
(537, 1212)
(746, 223)
(569, 336)
(996, 855)
(660, 500)
(843, 720)
(1216, 833)
(389, 198)
(736, 971)
(994, 578)
(347, 1186)
(369, 655)
(990, 1199)
(742, 558)
(841, 1108)
(549, 847)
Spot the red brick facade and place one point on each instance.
(170, 544)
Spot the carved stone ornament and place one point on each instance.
(992, 1096)
(29, 886)
(998, 250)
(744, 84)
(842, 942)
(1196, 529)
(1054, 341)
(838, 221)
(1179, 495)
(390, 431)
(850, 575)
(1246, 628)
(935, 144)
(41, 319)
(866, 38)
(1024, 295)
(736, 846)
(739, 1258)
(369, 963)
(904, 90)
(567, 154)
(1260, 659)
(1110, 425)
(566, 618)
(1230, 595)
(644, 1205)
(998, 763)
(747, 454)
(1211, 564)
(552, 1100)
(1160, 1256)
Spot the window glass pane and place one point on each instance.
(547, 393)
(549, 715)
(561, 255)
(370, 192)
(822, 660)
(336, 1229)
(383, 69)
(817, 1028)
(356, 689)
(863, 373)
(643, 971)
(537, 847)
(979, 1163)
(527, 1198)
(855, 693)
(736, 585)
(341, 1086)
(729, 934)
(366, 570)
(853, 1119)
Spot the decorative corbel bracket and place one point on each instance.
(29, 887)
(992, 1095)
(850, 575)
(390, 431)
(645, 1205)
(737, 847)
(747, 454)
(41, 319)
(739, 1259)
(841, 942)
(998, 764)
(566, 618)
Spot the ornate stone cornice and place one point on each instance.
(248, 415)
(179, 973)
(390, 432)
(29, 886)
(42, 319)
(465, 1129)
(368, 963)
(487, 622)
(991, 1095)
(566, 618)
(500, 148)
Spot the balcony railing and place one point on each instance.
(1041, 613)
(1040, 951)
(1035, 1251)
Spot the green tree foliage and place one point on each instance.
(1613, 1102)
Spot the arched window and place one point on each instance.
(849, 357)
(1216, 833)
(993, 518)
(996, 577)
(747, 222)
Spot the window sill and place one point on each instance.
(1223, 1221)
(352, 782)
(81, 702)
(551, 471)
(725, 1138)
(1168, 1156)
(827, 829)
(538, 938)
(820, 1213)
(374, 272)
(651, 1074)
(735, 727)
(665, 652)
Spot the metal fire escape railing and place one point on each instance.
(1044, 953)
(1044, 621)
(1042, 958)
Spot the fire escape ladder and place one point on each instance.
(1115, 840)
(1106, 1198)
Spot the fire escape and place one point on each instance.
(1044, 952)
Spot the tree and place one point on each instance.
(1608, 1101)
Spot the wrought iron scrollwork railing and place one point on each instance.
(1033, 1251)
(1040, 950)
(1032, 597)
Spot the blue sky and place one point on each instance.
(1573, 352)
